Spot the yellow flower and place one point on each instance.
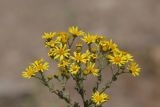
(117, 58)
(88, 38)
(134, 69)
(87, 55)
(62, 37)
(63, 63)
(28, 73)
(91, 69)
(48, 35)
(128, 56)
(104, 45)
(59, 52)
(74, 30)
(99, 38)
(108, 45)
(112, 46)
(40, 65)
(74, 69)
(79, 47)
(51, 43)
(99, 98)
(78, 57)
(94, 56)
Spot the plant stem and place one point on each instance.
(57, 92)
(70, 45)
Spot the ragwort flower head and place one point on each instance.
(48, 35)
(28, 73)
(108, 46)
(51, 43)
(64, 63)
(62, 37)
(37, 66)
(74, 69)
(60, 52)
(99, 98)
(88, 38)
(128, 56)
(117, 58)
(74, 30)
(40, 65)
(134, 68)
(78, 57)
(90, 69)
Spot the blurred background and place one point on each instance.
(133, 24)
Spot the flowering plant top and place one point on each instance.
(79, 54)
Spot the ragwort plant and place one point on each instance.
(77, 60)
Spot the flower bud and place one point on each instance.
(94, 49)
(79, 47)
(49, 77)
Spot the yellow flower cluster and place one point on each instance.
(37, 66)
(122, 59)
(79, 54)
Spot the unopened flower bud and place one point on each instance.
(94, 49)
(79, 47)
(49, 77)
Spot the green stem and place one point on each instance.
(57, 92)
(81, 91)
(70, 45)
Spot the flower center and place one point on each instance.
(133, 69)
(61, 51)
(74, 69)
(98, 98)
(39, 67)
(78, 57)
(90, 69)
(117, 59)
